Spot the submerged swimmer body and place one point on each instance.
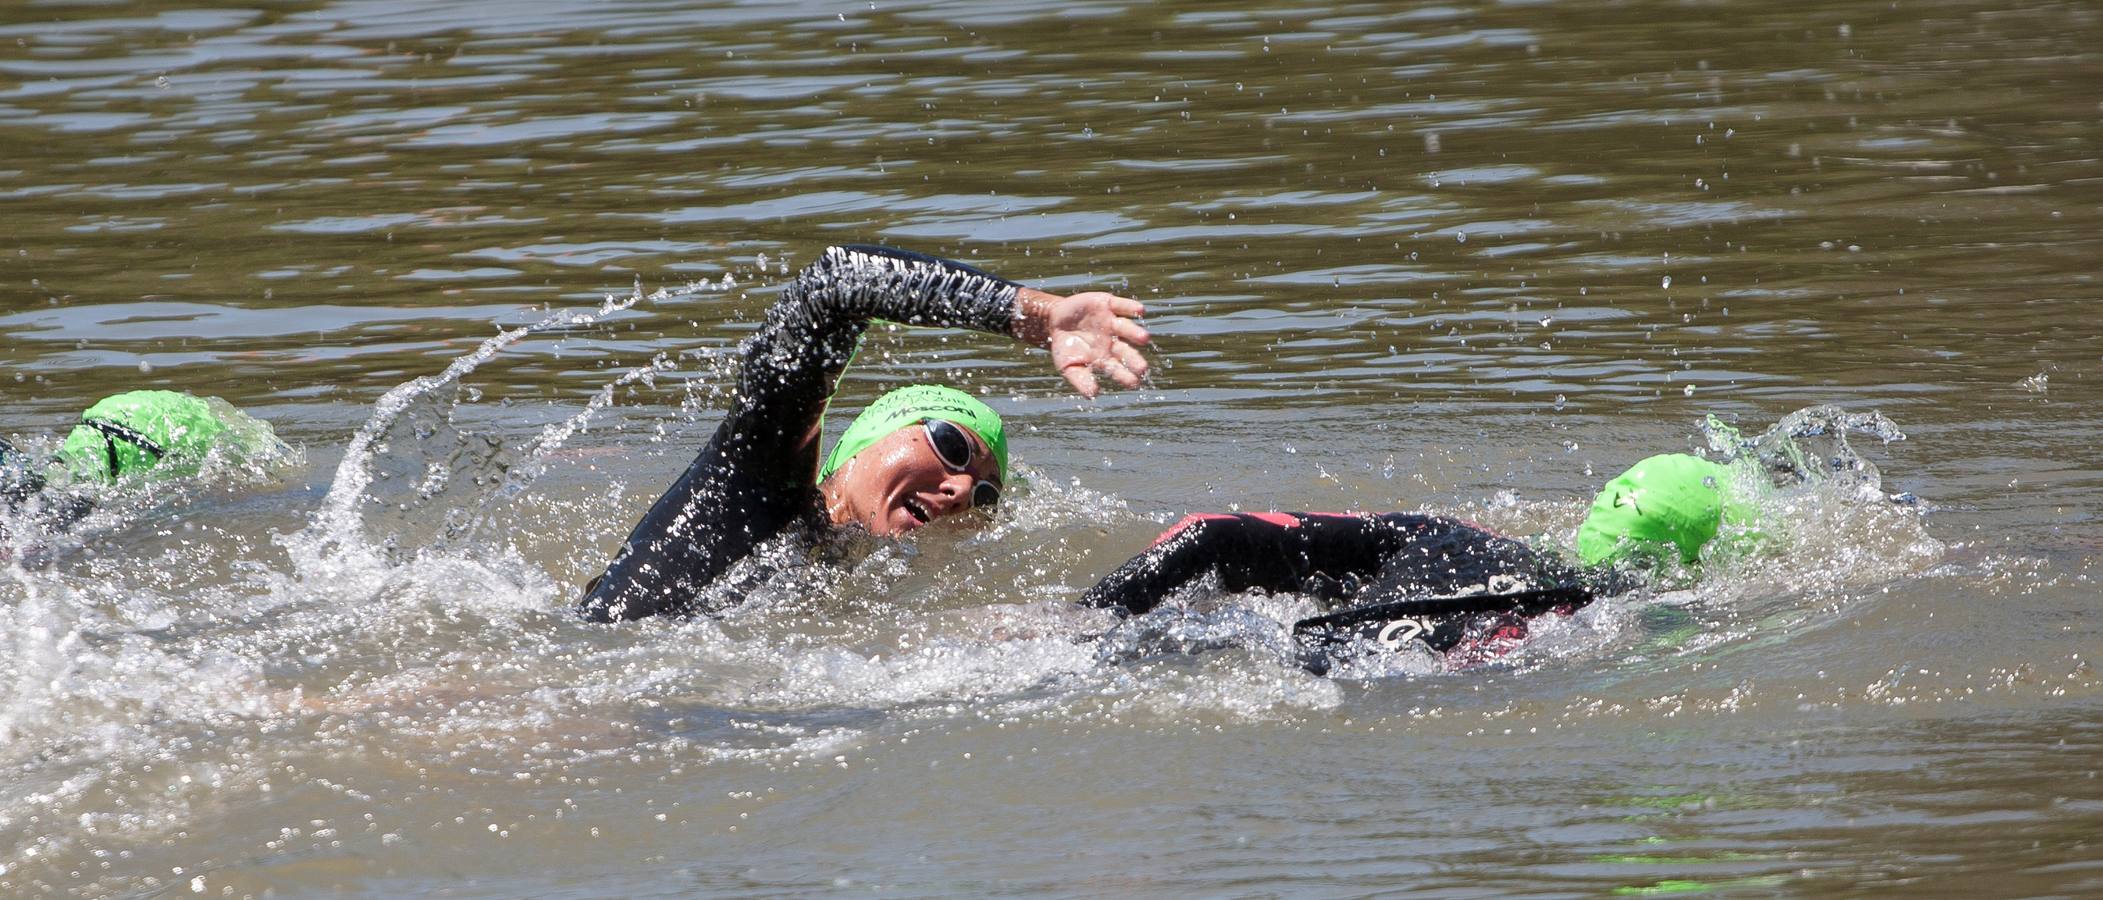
(158, 435)
(916, 455)
(1389, 580)
(1392, 581)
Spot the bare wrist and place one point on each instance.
(1033, 310)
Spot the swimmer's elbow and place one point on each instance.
(606, 605)
(594, 606)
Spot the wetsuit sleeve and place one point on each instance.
(793, 363)
(1327, 556)
(758, 475)
(1330, 557)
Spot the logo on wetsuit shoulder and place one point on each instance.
(1398, 632)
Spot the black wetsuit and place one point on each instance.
(757, 478)
(56, 511)
(18, 481)
(1388, 579)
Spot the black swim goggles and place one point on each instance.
(953, 447)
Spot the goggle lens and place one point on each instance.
(953, 448)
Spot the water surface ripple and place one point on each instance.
(1466, 258)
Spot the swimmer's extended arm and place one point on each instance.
(1331, 557)
(1322, 554)
(792, 365)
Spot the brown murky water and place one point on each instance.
(1464, 258)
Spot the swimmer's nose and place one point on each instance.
(955, 491)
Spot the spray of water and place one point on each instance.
(1809, 447)
(337, 523)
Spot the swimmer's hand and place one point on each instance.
(1087, 333)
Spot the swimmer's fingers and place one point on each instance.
(1089, 305)
(1133, 362)
(1074, 357)
(1081, 379)
(1131, 332)
(1090, 334)
(1121, 373)
(1079, 360)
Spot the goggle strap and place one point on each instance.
(112, 433)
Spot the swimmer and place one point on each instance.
(1394, 580)
(916, 455)
(127, 438)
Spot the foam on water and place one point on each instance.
(143, 631)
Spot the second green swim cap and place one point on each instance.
(139, 430)
(911, 406)
(1672, 499)
(163, 434)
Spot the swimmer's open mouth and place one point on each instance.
(919, 512)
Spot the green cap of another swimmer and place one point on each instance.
(911, 406)
(1673, 500)
(139, 430)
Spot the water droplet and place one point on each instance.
(1461, 236)
(145, 367)
(1667, 283)
(1561, 401)
(1687, 391)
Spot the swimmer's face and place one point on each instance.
(902, 482)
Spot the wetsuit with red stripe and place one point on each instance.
(1451, 582)
(757, 478)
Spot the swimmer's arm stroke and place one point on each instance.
(1267, 551)
(811, 334)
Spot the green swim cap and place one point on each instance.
(1673, 499)
(135, 431)
(911, 406)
